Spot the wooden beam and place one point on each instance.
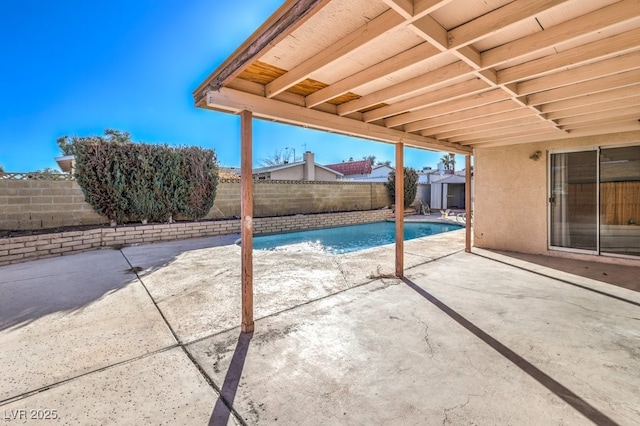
(600, 116)
(593, 99)
(421, 7)
(435, 97)
(626, 124)
(288, 17)
(565, 31)
(399, 213)
(380, 25)
(413, 56)
(614, 103)
(589, 52)
(484, 98)
(246, 231)
(461, 116)
(484, 125)
(467, 204)
(622, 63)
(471, 123)
(270, 109)
(615, 81)
(469, 55)
(499, 140)
(498, 19)
(403, 7)
(539, 126)
(420, 84)
(430, 30)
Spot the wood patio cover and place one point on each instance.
(444, 75)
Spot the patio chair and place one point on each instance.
(462, 217)
(423, 208)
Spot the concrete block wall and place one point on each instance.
(45, 204)
(36, 204)
(22, 249)
(276, 197)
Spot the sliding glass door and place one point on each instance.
(574, 200)
(620, 200)
(594, 200)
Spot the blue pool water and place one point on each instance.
(345, 239)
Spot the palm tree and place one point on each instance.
(449, 161)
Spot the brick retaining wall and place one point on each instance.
(22, 249)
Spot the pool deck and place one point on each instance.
(149, 335)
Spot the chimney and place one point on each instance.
(309, 166)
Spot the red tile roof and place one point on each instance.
(362, 167)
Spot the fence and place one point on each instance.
(31, 204)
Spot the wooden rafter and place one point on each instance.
(589, 23)
(517, 70)
(235, 101)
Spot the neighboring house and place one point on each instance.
(352, 170)
(441, 189)
(67, 163)
(379, 173)
(307, 169)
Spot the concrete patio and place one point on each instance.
(150, 335)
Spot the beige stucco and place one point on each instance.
(324, 175)
(510, 202)
(290, 173)
(297, 173)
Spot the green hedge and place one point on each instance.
(410, 186)
(130, 182)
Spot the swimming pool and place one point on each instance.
(345, 239)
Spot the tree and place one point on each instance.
(370, 158)
(276, 159)
(449, 161)
(1, 169)
(384, 163)
(68, 145)
(410, 186)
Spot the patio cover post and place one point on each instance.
(467, 203)
(246, 220)
(399, 195)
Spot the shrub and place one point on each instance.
(410, 186)
(127, 181)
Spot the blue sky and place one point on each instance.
(77, 67)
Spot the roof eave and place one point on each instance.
(283, 22)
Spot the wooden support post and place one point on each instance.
(399, 209)
(467, 203)
(246, 218)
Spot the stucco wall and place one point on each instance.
(290, 173)
(325, 175)
(510, 203)
(297, 173)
